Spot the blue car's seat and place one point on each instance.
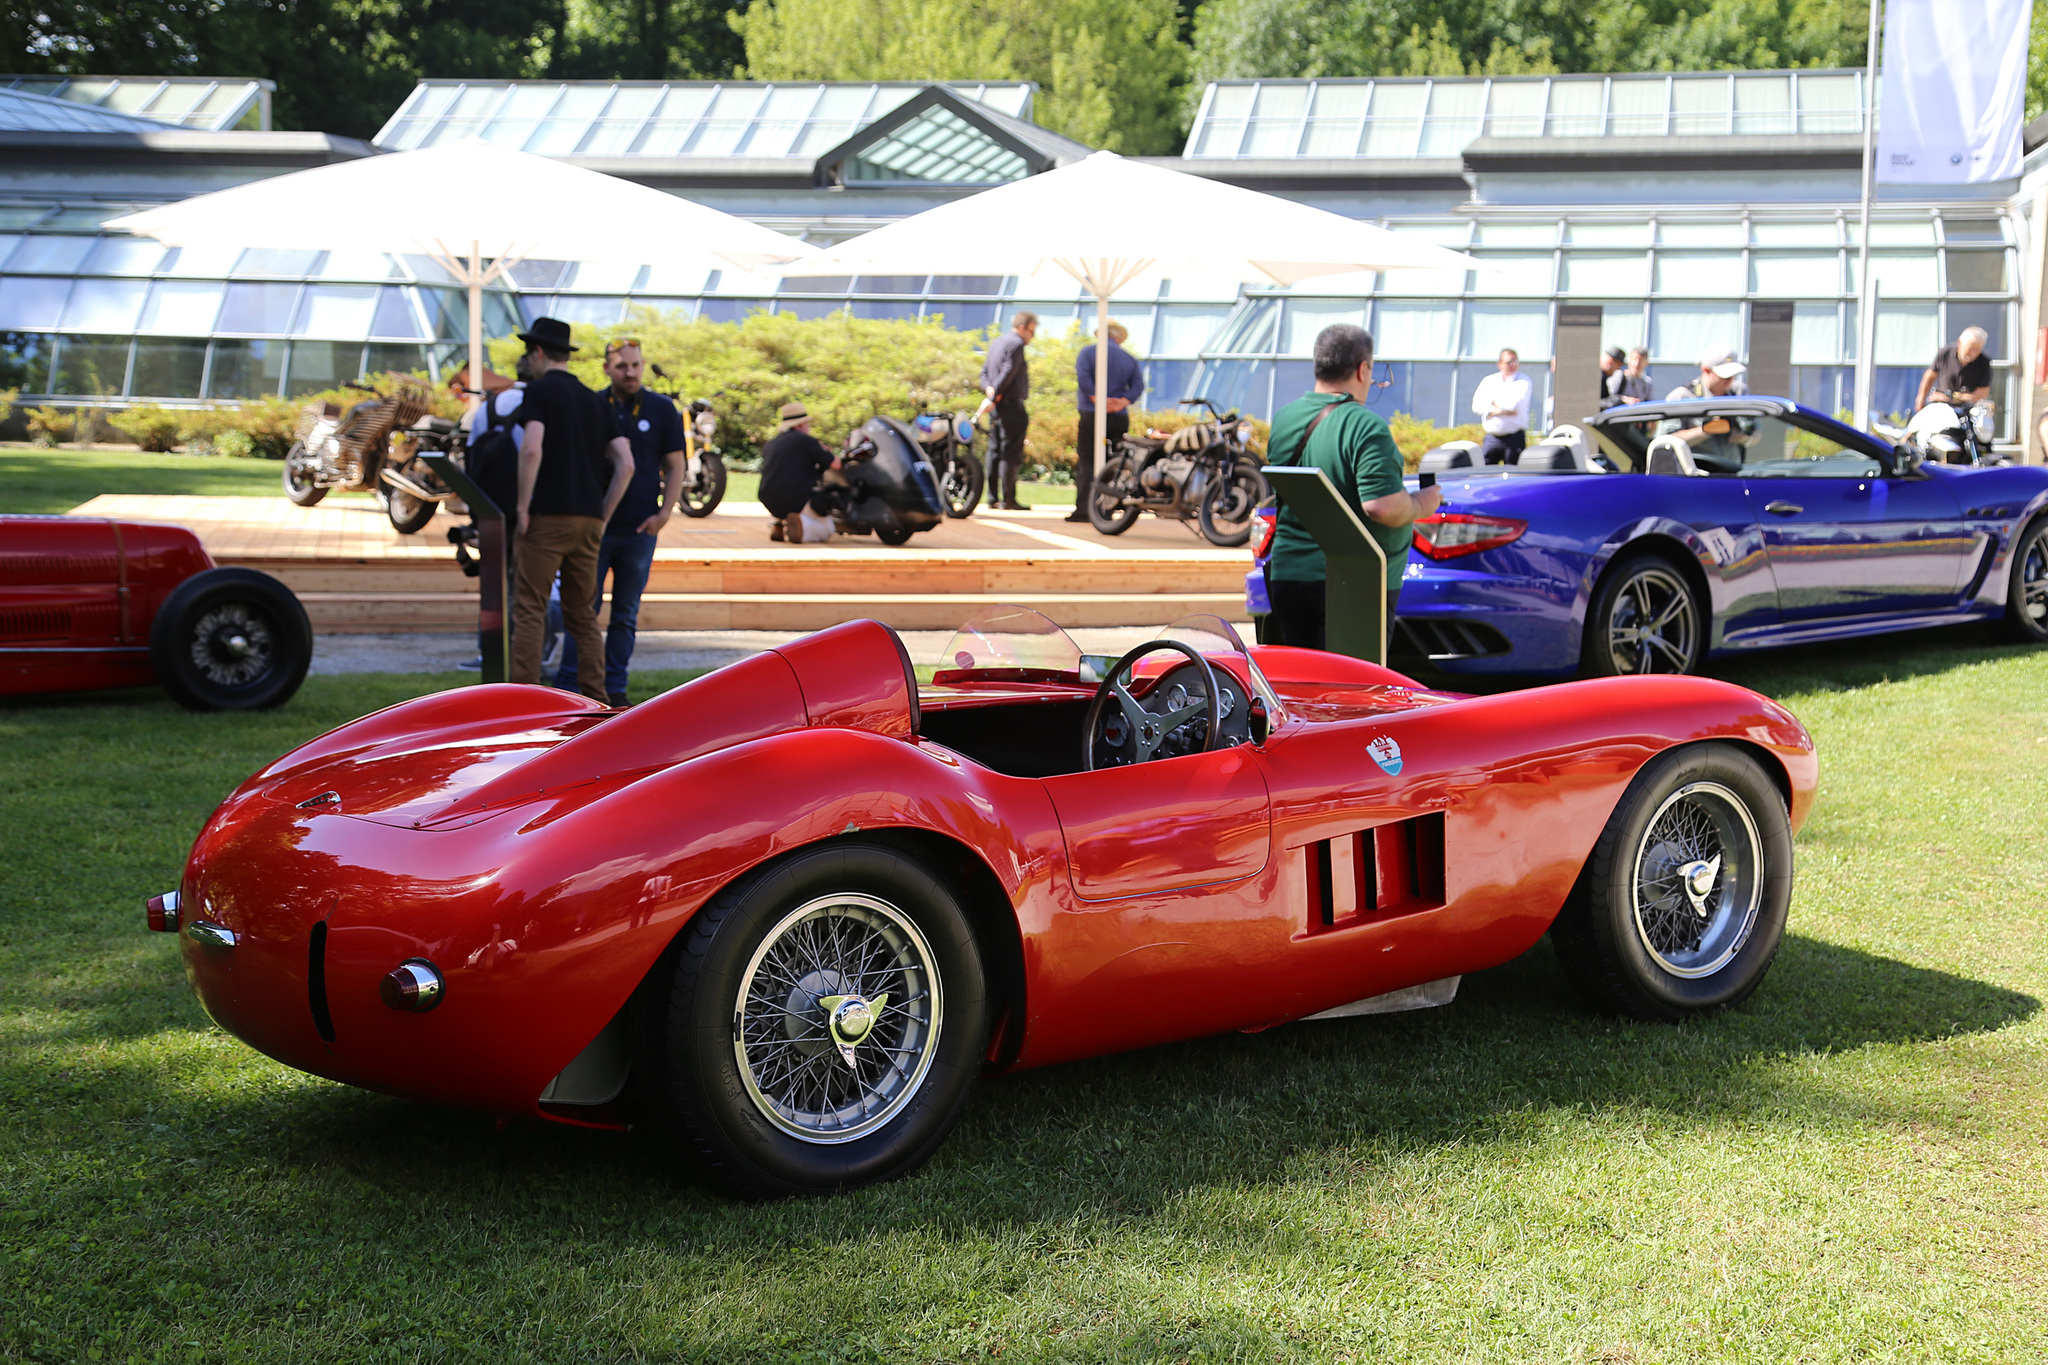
(1450, 455)
(1669, 455)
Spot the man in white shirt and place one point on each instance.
(1502, 404)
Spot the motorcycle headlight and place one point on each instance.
(1980, 421)
(707, 423)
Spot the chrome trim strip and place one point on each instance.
(211, 935)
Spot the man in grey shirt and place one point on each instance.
(1006, 382)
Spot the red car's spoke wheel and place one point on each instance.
(821, 1023)
(839, 1019)
(1682, 905)
(230, 640)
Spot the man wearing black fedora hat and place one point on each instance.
(566, 495)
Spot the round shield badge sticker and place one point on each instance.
(1387, 754)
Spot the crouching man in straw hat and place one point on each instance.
(791, 467)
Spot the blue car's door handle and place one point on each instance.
(1784, 509)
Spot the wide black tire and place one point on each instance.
(408, 514)
(699, 498)
(2026, 586)
(1117, 479)
(962, 486)
(894, 535)
(298, 485)
(1646, 618)
(1230, 504)
(718, 1003)
(231, 640)
(1638, 936)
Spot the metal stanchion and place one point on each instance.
(1355, 608)
(491, 618)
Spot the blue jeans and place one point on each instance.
(628, 557)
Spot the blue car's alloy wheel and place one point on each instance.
(1645, 619)
(2026, 597)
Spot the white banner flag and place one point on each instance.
(1955, 90)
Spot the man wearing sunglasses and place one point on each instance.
(653, 431)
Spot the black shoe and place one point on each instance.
(1075, 516)
(617, 701)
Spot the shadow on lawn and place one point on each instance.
(1127, 1135)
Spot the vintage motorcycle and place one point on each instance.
(948, 441)
(885, 485)
(366, 449)
(1205, 473)
(704, 473)
(1950, 433)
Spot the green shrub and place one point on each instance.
(153, 428)
(7, 397)
(47, 425)
(262, 427)
(1415, 435)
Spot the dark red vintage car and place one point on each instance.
(789, 911)
(86, 602)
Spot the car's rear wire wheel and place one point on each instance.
(830, 958)
(1645, 619)
(818, 1025)
(1682, 905)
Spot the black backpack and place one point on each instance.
(492, 460)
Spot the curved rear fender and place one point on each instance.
(489, 705)
(587, 901)
(1674, 540)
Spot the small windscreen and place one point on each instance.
(1212, 635)
(1010, 642)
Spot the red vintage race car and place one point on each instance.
(86, 603)
(791, 910)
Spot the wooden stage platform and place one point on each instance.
(721, 572)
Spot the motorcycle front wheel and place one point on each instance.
(1229, 504)
(1116, 501)
(962, 485)
(705, 488)
(298, 477)
(409, 513)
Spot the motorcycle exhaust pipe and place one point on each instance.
(400, 482)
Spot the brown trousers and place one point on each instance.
(567, 544)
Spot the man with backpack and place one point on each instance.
(1331, 429)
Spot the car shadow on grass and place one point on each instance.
(1836, 666)
(1118, 1136)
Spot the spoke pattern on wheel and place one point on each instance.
(1652, 626)
(232, 645)
(2034, 578)
(807, 1079)
(1698, 880)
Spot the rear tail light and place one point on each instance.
(163, 913)
(1262, 533)
(1447, 535)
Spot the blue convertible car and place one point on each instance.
(1659, 534)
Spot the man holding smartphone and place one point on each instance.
(1331, 429)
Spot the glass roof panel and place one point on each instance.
(51, 255)
(612, 133)
(105, 305)
(1575, 107)
(1454, 111)
(1637, 108)
(669, 127)
(1763, 104)
(1515, 109)
(126, 256)
(132, 97)
(1699, 106)
(1829, 104)
(181, 307)
(339, 311)
(28, 302)
(937, 145)
(563, 130)
(1396, 119)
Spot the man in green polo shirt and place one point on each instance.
(1331, 429)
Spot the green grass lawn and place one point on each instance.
(1848, 1168)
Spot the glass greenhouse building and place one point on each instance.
(1675, 202)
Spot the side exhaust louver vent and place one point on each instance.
(1375, 874)
(316, 982)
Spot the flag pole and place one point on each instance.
(1866, 320)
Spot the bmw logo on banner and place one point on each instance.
(1387, 754)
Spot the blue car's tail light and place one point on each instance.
(1447, 535)
(1263, 525)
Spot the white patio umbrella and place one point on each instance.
(1107, 221)
(476, 208)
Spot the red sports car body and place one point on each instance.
(511, 898)
(86, 603)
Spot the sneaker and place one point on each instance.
(475, 665)
(617, 701)
(793, 528)
(1076, 515)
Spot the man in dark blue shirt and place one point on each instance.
(653, 429)
(1125, 385)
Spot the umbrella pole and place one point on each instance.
(1101, 380)
(476, 318)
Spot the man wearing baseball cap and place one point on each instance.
(1718, 442)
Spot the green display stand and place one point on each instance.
(492, 618)
(1355, 614)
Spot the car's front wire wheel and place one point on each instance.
(1682, 904)
(820, 1024)
(1645, 619)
